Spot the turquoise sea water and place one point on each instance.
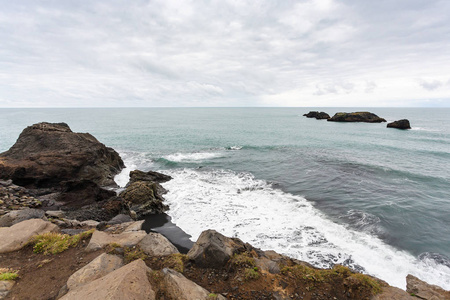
(374, 198)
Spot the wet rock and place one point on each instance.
(17, 236)
(152, 176)
(318, 115)
(179, 287)
(424, 290)
(400, 124)
(17, 216)
(46, 154)
(362, 116)
(101, 239)
(144, 198)
(214, 250)
(127, 283)
(156, 244)
(99, 267)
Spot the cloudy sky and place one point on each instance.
(64, 53)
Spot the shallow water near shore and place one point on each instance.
(363, 195)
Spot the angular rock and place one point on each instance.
(214, 250)
(361, 116)
(101, 239)
(424, 290)
(145, 198)
(179, 287)
(99, 267)
(400, 124)
(46, 154)
(120, 218)
(266, 264)
(89, 223)
(55, 213)
(318, 115)
(17, 236)
(5, 287)
(127, 283)
(392, 293)
(152, 176)
(156, 244)
(17, 216)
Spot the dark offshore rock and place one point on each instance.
(362, 116)
(400, 124)
(214, 250)
(46, 154)
(138, 175)
(144, 198)
(318, 115)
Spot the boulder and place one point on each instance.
(144, 198)
(101, 239)
(55, 214)
(99, 267)
(156, 244)
(130, 282)
(179, 287)
(400, 124)
(318, 115)
(5, 287)
(362, 116)
(424, 290)
(120, 218)
(152, 176)
(17, 236)
(214, 250)
(46, 154)
(17, 216)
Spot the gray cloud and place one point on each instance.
(430, 85)
(221, 53)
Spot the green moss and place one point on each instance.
(368, 282)
(176, 262)
(243, 259)
(8, 274)
(251, 274)
(53, 243)
(133, 253)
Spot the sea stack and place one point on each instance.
(318, 115)
(361, 116)
(400, 124)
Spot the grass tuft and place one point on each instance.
(243, 259)
(176, 262)
(54, 243)
(8, 274)
(251, 273)
(133, 253)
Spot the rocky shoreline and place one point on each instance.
(58, 185)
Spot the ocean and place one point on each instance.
(373, 198)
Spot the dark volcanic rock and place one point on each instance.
(99, 211)
(46, 154)
(81, 193)
(318, 115)
(137, 175)
(144, 198)
(362, 116)
(400, 124)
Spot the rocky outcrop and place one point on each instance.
(17, 216)
(424, 290)
(17, 236)
(46, 154)
(144, 198)
(318, 115)
(101, 239)
(214, 250)
(152, 176)
(127, 283)
(179, 287)
(362, 116)
(99, 267)
(400, 124)
(155, 244)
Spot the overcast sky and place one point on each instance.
(65, 53)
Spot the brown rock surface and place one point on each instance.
(400, 124)
(156, 244)
(138, 175)
(127, 283)
(424, 290)
(46, 154)
(17, 236)
(101, 239)
(144, 198)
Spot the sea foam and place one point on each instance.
(238, 205)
